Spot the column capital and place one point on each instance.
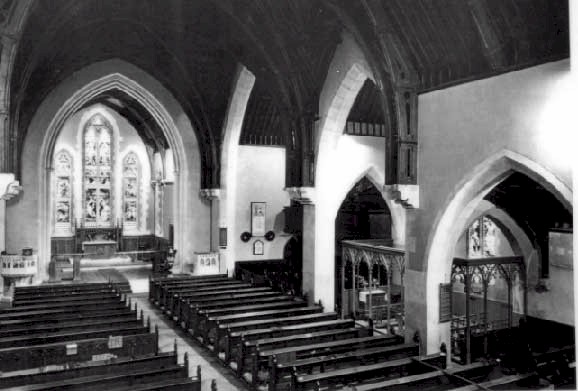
(303, 195)
(210, 194)
(9, 187)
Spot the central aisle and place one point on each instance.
(210, 366)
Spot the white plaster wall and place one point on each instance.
(525, 112)
(260, 178)
(24, 214)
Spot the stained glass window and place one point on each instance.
(97, 172)
(63, 190)
(482, 238)
(130, 189)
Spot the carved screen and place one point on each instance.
(130, 189)
(63, 192)
(97, 173)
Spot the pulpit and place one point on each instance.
(99, 249)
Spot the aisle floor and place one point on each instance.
(211, 367)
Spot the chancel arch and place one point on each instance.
(486, 183)
(70, 97)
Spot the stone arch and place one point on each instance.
(242, 87)
(347, 73)
(452, 219)
(70, 96)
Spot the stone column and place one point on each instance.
(212, 196)
(158, 202)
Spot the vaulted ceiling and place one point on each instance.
(194, 46)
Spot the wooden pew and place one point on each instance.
(90, 368)
(20, 296)
(224, 292)
(112, 381)
(509, 382)
(232, 332)
(209, 328)
(249, 349)
(68, 298)
(232, 349)
(202, 315)
(400, 367)
(158, 284)
(183, 309)
(129, 319)
(321, 363)
(33, 323)
(438, 380)
(59, 353)
(16, 311)
(264, 359)
(187, 309)
(62, 313)
(68, 336)
(168, 293)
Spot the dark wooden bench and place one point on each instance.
(246, 356)
(93, 324)
(209, 328)
(223, 292)
(247, 306)
(509, 382)
(113, 381)
(16, 311)
(65, 336)
(265, 359)
(158, 284)
(232, 332)
(401, 367)
(21, 296)
(438, 380)
(187, 309)
(62, 313)
(91, 368)
(280, 371)
(167, 294)
(33, 323)
(68, 298)
(279, 331)
(15, 359)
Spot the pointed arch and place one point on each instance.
(459, 208)
(69, 97)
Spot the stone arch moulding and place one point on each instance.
(452, 219)
(88, 83)
(242, 87)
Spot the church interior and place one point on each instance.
(287, 194)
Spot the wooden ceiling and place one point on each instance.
(194, 46)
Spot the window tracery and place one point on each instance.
(131, 177)
(63, 190)
(98, 172)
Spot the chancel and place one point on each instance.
(287, 194)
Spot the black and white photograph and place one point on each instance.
(288, 195)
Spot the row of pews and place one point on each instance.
(84, 336)
(274, 341)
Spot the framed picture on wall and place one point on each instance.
(258, 247)
(258, 211)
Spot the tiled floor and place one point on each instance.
(211, 367)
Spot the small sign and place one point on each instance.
(103, 357)
(71, 349)
(115, 342)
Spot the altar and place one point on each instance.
(99, 249)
